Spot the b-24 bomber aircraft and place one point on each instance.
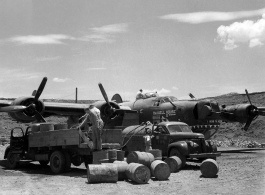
(204, 116)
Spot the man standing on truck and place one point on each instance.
(93, 116)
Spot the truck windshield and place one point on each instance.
(178, 128)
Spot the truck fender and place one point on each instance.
(182, 146)
(6, 151)
(210, 146)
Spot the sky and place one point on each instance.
(175, 47)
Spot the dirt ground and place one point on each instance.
(239, 173)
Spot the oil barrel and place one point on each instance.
(157, 153)
(174, 163)
(60, 126)
(144, 158)
(112, 155)
(209, 168)
(46, 127)
(122, 167)
(105, 173)
(160, 170)
(120, 155)
(35, 127)
(100, 157)
(138, 173)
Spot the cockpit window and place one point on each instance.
(179, 128)
(168, 99)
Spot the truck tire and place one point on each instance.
(57, 162)
(11, 161)
(176, 152)
(77, 161)
(43, 162)
(67, 161)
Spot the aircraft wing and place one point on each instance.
(63, 109)
(4, 103)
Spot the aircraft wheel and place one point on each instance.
(57, 162)
(176, 152)
(12, 162)
(43, 162)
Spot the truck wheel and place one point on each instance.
(176, 152)
(77, 161)
(67, 161)
(57, 162)
(43, 162)
(12, 163)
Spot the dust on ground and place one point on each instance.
(239, 173)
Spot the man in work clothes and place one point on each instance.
(93, 116)
(139, 94)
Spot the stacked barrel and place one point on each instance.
(138, 167)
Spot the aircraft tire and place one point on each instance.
(11, 161)
(57, 162)
(176, 152)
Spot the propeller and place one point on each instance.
(31, 108)
(104, 94)
(254, 112)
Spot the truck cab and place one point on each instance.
(172, 138)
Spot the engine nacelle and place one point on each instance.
(237, 113)
(27, 115)
(105, 110)
(205, 108)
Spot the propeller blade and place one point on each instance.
(262, 113)
(261, 109)
(248, 124)
(12, 108)
(40, 89)
(191, 96)
(39, 117)
(248, 96)
(103, 92)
